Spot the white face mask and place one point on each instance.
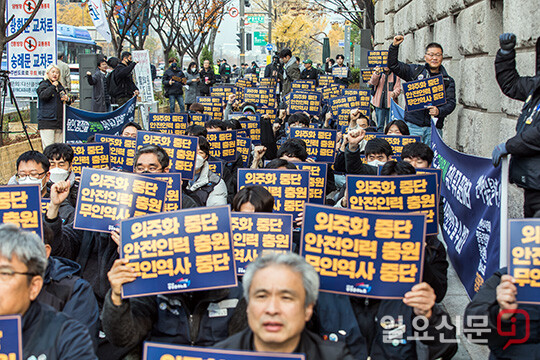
(376, 163)
(29, 181)
(199, 162)
(58, 174)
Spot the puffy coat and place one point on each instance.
(177, 88)
(50, 107)
(209, 189)
(525, 145)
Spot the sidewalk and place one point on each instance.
(455, 302)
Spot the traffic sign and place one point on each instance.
(256, 19)
(233, 12)
(341, 43)
(269, 47)
(260, 38)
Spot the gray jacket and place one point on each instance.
(192, 88)
(292, 73)
(99, 93)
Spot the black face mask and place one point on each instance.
(146, 172)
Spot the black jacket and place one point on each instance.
(177, 88)
(50, 107)
(52, 335)
(311, 74)
(310, 344)
(121, 83)
(485, 303)
(205, 88)
(525, 145)
(343, 81)
(199, 318)
(410, 72)
(68, 293)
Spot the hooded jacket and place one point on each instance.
(47, 334)
(208, 189)
(410, 72)
(525, 145)
(66, 292)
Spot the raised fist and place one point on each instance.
(398, 39)
(507, 41)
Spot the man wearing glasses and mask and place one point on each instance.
(419, 122)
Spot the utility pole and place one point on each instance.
(269, 21)
(242, 32)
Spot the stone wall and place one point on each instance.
(468, 30)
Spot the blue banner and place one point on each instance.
(420, 94)
(249, 116)
(268, 112)
(305, 85)
(377, 58)
(397, 142)
(378, 255)
(222, 144)
(158, 351)
(366, 74)
(253, 129)
(321, 143)
(260, 96)
(255, 234)
(80, 124)
(400, 194)
(182, 150)
(91, 155)
(243, 146)
(317, 180)
(523, 258)
(199, 119)
(326, 80)
(213, 106)
(304, 101)
(168, 123)
(216, 167)
(121, 151)
(173, 198)
(107, 197)
(21, 205)
(331, 91)
(179, 251)
(290, 188)
(223, 91)
(11, 337)
(471, 200)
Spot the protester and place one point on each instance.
(525, 145)
(65, 291)
(193, 83)
(121, 85)
(328, 65)
(235, 72)
(51, 99)
(253, 198)
(206, 188)
(387, 87)
(208, 78)
(225, 72)
(310, 72)
(290, 73)
(60, 159)
(173, 85)
(343, 80)
(65, 72)
(100, 97)
(397, 127)
(419, 122)
(130, 129)
(281, 291)
(46, 333)
(418, 155)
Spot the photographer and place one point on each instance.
(271, 71)
(51, 98)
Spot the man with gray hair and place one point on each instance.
(45, 333)
(281, 290)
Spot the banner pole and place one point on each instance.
(503, 248)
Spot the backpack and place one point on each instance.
(112, 87)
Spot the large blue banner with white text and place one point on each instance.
(471, 200)
(81, 124)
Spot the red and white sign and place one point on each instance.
(233, 12)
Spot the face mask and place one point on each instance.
(58, 175)
(199, 162)
(376, 163)
(193, 69)
(30, 181)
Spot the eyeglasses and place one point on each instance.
(434, 55)
(7, 274)
(34, 175)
